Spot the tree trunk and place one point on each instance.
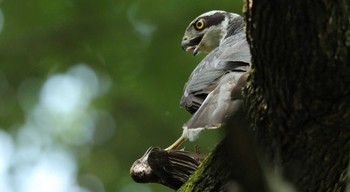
(298, 100)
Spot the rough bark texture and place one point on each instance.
(236, 152)
(298, 98)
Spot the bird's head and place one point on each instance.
(207, 31)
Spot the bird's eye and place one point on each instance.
(200, 24)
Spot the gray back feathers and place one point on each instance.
(207, 93)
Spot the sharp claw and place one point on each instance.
(195, 52)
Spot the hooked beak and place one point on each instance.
(189, 45)
(188, 48)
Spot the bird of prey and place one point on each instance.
(213, 91)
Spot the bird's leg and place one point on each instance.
(176, 144)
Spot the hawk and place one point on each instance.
(213, 91)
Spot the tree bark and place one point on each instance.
(298, 100)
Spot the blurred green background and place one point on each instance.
(87, 86)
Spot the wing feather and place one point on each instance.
(232, 55)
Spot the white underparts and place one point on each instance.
(193, 133)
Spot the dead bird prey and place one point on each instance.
(170, 168)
